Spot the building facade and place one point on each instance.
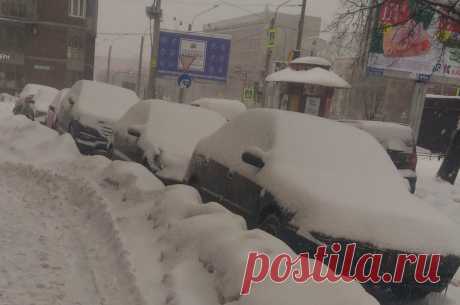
(249, 45)
(48, 42)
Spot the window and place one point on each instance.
(77, 8)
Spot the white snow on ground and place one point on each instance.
(87, 231)
(445, 198)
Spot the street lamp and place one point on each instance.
(190, 26)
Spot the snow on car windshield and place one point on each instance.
(102, 100)
(337, 179)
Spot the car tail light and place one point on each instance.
(413, 160)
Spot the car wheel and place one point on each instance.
(271, 224)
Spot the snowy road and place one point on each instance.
(44, 257)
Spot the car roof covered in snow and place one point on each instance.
(227, 108)
(32, 89)
(316, 76)
(336, 179)
(172, 131)
(102, 100)
(392, 136)
(44, 97)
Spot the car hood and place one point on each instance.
(367, 216)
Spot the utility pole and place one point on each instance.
(300, 31)
(139, 71)
(109, 59)
(154, 12)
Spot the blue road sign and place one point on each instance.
(184, 81)
(204, 56)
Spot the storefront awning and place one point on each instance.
(315, 76)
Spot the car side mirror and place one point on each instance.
(134, 132)
(253, 159)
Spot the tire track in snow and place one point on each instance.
(58, 244)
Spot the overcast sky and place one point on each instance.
(129, 16)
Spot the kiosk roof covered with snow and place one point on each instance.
(316, 76)
(313, 61)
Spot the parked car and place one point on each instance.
(163, 135)
(54, 108)
(312, 181)
(229, 109)
(34, 101)
(7, 98)
(399, 142)
(89, 111)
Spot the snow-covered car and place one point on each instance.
(34, 101)
(399, 142)
(312, 181)
(7, 98)
(55, 107)
(163, 135)
(229, 109)
(89, 111)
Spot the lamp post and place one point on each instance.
(190, 26)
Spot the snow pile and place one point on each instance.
(102, 101)
(134, 179)
(315, 76)
(339, 182)
(22, 140)
(204, 248)
(6, 110)
(229, 109)
(392, 136)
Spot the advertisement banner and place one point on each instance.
(411, 37)
(204, 56)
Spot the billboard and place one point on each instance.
(411, 37)
(199, 55)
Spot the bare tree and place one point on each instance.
(356, 22)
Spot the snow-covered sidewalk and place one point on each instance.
(445, 198)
